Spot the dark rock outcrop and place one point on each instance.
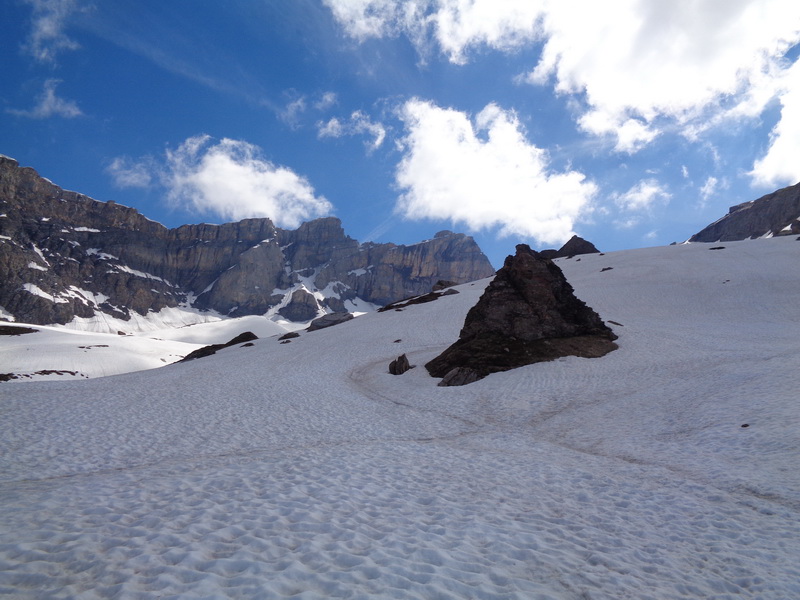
(777, 213)
(242, 338)
(574, 246)
(528, 314)
(64, 255)
(302, 307)
(12, 330)
(329, 321)
(399, 365)
(424, 298)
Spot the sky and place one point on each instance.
(631, 123)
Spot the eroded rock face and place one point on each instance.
(64, 255)
(302, 307)
(528, 314)
(777, 213)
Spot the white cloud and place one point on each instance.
(327, 100)
(128, 173)
(49, 105)
(636, 67)
(358, 124)
(364, 19)
(708, 189)
(47, 37)
(780, 165)
(484, 173)
(293, 110)
(642, 196)
(229, 179)
(332, 128)
(648, 64)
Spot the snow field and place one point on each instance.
(305, 470)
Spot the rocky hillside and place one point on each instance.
(64, 255)
(777, 213)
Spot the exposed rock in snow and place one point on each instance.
(528, 314)
(329, 320)
(574, 246)
(399, 365)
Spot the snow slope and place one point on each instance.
(60, 353)
(64, 353)
(305, 470)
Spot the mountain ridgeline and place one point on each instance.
(64, 255)
(777, 213)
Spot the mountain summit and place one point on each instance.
(64, 255)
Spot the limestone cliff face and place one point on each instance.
(64, 255)
(777, 213)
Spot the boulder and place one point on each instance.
(528, 314)
(399, 365)
(329, 320)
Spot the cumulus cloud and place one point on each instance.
(780, 165)
(642, 196)
(48, 104)
(650, 60)
(358, 124)
(483, 173)
(227, 178)
(635, 68)
(47, 38)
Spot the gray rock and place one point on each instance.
(528, 314)
(138, 265)
(459, 376)
(574, 246)
(302, 307)
(777, 213)
(329, 321)
(399, 365)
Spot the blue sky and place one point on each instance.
(631, 123)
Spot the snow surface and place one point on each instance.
(82, 354)
(305, 470)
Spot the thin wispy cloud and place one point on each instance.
(133, 173)
(483, 173)
(358, 123)
(47, 38)
(49, 104)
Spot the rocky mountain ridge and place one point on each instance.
(774, 214)
(64, 255)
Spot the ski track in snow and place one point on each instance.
(305, 470)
